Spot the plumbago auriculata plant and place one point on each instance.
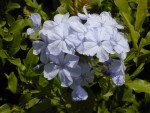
(64, 39)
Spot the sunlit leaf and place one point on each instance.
(139, 85)
(32, 102)
(5, 108)
(17, 62)
(125, 13)
(11, 6)
(12, 82)
(147, 38)
(141, 14)
(31, 60)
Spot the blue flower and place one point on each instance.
(119, 42)
(97, 42)
(62, 40)
(36, 20)
(40, 47)
(65, 66)
(79, 94)
(58, 20)
(103, 20)
(116, 70)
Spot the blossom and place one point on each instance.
(79, 94)
(36, 20)
(65, 66)
(98, 42)
(62, 40)
(119, 42)
(116, 70)
(40, 47)
(58, 20)
(103, 20)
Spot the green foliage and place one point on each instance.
(38, 95)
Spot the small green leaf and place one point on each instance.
(31, 59)
(2, 23)
(11, 6)
(12, 82)
(3, 54)
(14, 45)
(137, 71)
(10, 19)
(8, 37)
(139, 85)
(5, 108)
(19, 25)
(32, 3)
(42, 81)
(141, 14)
(17, 62)
(125, 13)
(147, 38)
(142, 44)
(32, 102)
(96, 2)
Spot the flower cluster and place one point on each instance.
(67, 35)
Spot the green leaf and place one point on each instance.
(12, 82)
(10, 19)
(3, 54)
(31, 59)
(32, 102)
(43, 107)
(42, 81)
(141, 14)
(5, 108)
(1, 32)
(96, 2)
(2, 23)
(17, 62)
(32, 3)
(125, 13)
(11, 6)
(19, 25)
(139, 85)
(142, 44)
(137, 71)
(14, 45)
(147, 38)
(128, 95)
(62, 9)
(8, 37)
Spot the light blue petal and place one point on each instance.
(90, 48)
(75, 72)
(50, 71)
(55, 48)
(36, 19)
(118, 79)
(31, 30)
(37, 47)
(102, 55)
(71, 60)
(44, 56)
(79, 94)
(65, 78)
(78, 27)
